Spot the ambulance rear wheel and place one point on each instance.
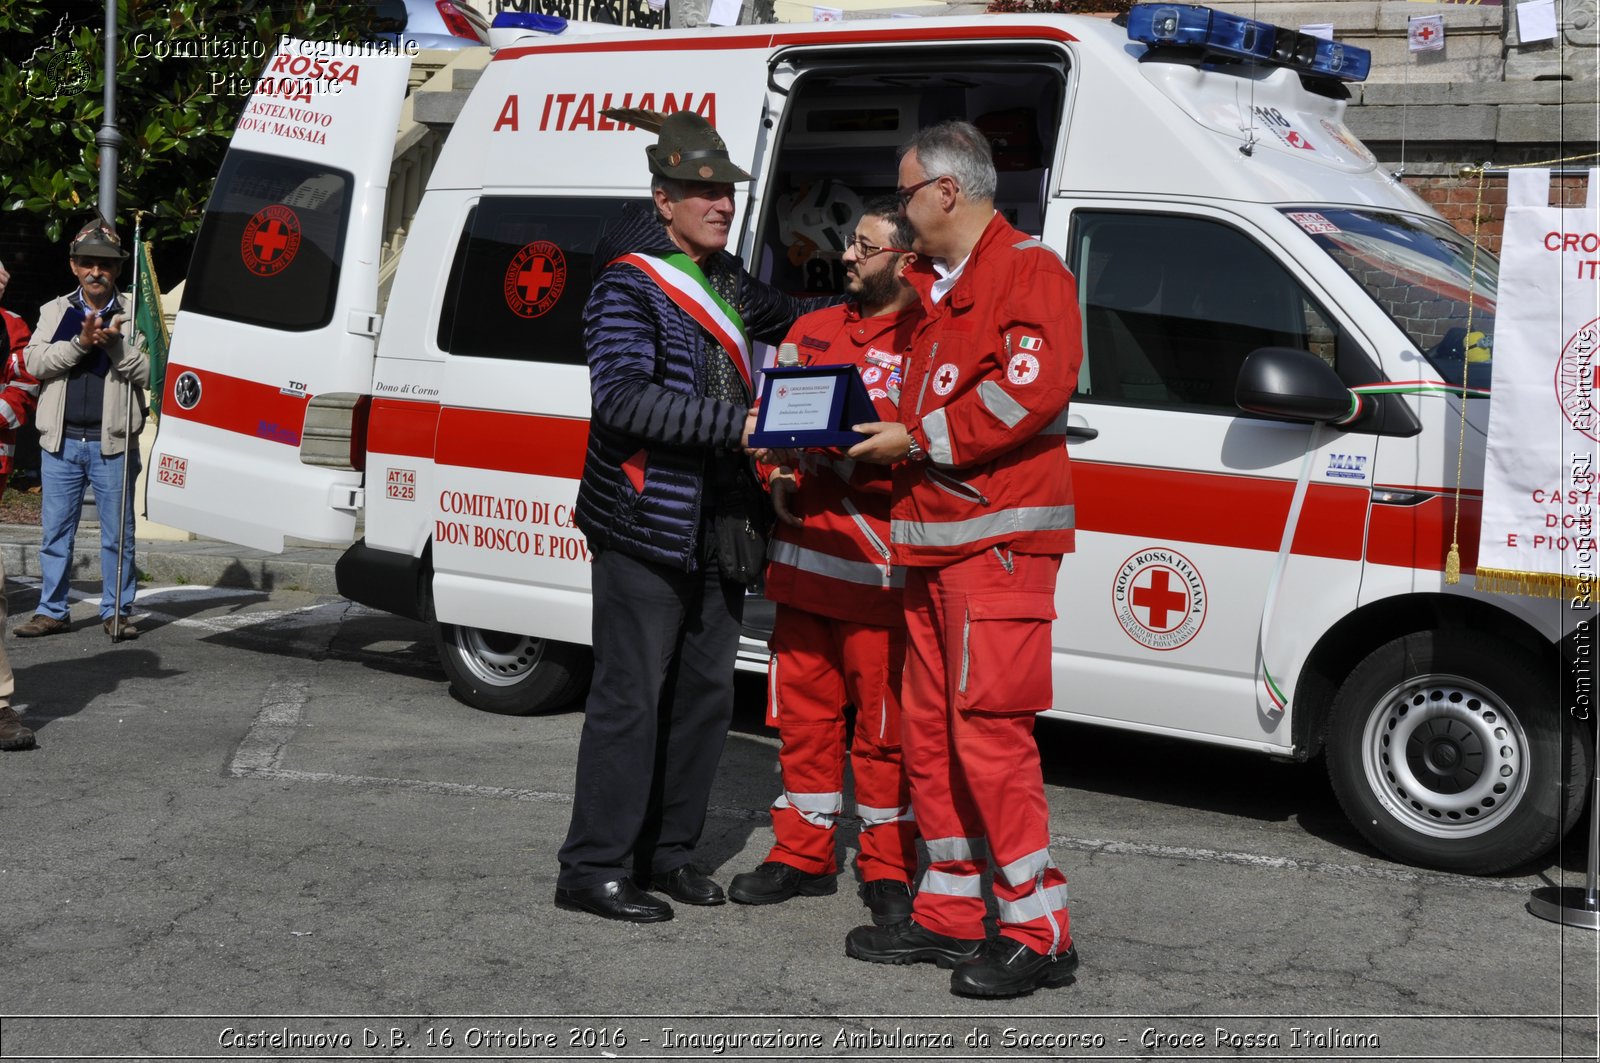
(1446, 749)
(513, 674)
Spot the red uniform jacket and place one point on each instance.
(837, 563)
(985, 394)
(19, 391)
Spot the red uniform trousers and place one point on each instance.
(977, 671)
(818, 666)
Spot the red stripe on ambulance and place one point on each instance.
(1242, 512)
(526, 443)
(247, 407)
(792, 40)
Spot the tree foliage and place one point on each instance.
(184, 71)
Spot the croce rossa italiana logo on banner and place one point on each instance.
(1539, 498)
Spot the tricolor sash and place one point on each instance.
(683, 282)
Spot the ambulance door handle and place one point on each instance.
(364, 323)
(1081, 432)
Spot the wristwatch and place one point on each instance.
(914, 451)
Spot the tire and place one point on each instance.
(513, 674)
(1448, 749)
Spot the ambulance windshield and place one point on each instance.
(1422, 272)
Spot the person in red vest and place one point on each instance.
(19, 393)
(839, 633)
(982, 513)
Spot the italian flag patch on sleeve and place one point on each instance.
(1029, 343)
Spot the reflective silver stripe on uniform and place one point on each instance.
(1040, 904)
(952, 885)
(923, 394)
(1023, 245)
(960, 532)
(943, 849)
(938, 433)
(1028, 867)
(877, 817)
(821, 564)
(966, 649)
(1003, 406)
(772, 687)
(820, 810)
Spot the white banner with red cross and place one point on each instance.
(1538, 533)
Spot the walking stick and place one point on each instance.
(129, 443)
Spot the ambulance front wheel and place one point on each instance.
(513, 674)
(1448, 749)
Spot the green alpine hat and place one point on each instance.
(97, 242)
(689, 149)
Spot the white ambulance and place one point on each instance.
(1265, 439)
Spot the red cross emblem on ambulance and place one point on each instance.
(1159, 598)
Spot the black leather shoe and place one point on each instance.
(1008, 968)
(617, 899)
(688, 884)
(889, 900)
(909, 943)
(773, 883)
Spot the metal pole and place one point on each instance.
(1569, 905)
(129, 443)
(107, 138)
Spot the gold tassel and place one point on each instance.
(1452, 565)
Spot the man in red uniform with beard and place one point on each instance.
(839, 634)
(982, 512)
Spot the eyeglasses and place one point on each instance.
(865, 250)
(903, 195)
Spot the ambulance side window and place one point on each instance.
(1172, 306)
(520, 277)
(269, 250)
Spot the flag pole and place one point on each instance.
(130, 445)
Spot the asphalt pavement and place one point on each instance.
(265, 831)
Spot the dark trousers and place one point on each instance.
(656, 719)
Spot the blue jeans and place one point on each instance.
(64, 477)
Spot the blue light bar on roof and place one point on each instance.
(529, 20)
(1222, 34)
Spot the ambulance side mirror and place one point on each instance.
(1293, 384)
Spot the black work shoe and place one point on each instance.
(617, 899)
(41, 625)
(688, 884)
(126, 632)
(13, 735)
(889, 899)
(773, 883)
(909, 943)
(1008, 968)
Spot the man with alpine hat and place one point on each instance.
(675, 522)
(87, 418)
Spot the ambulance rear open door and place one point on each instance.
(271, 362)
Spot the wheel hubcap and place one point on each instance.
(1446, 756)
(496, 658)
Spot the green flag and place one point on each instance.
(149, 323)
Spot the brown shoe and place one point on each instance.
(12, 734)
(126, 632)
(41, 625)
